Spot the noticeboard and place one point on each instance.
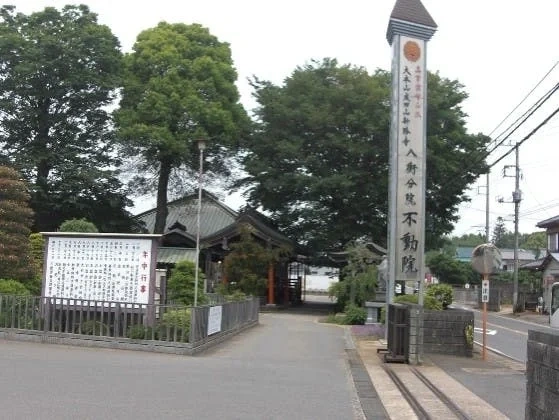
(100, 267)
(214, 319)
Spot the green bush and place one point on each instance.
(429, 302)
(175, 323)
(180, 285)
(13, 287)
(78, 225)
(236, 296)
(469, 334)
(441, 292)
(93, 327)
(355, 315)
(334, 318)
(141, 332)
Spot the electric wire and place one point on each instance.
(524, 99)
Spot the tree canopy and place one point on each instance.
(179, 87)
(78, 225)
(59, 70)
(318, 160)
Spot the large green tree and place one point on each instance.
(449, 270)
(502, 237)
(59, 70)
(179, 87)
(15, 220)
(318, 161)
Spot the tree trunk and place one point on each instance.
(161, 212)
(41, 195)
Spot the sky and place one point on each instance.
(498, 49)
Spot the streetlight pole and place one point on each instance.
(201, 148)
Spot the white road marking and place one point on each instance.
(488, 331)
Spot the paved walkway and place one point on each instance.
(491, 389)
(288, 367)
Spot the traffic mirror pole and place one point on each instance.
(484, 351)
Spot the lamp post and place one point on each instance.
(201, 148)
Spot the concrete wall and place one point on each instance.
(495, 299)
(442, 332)
(466, 296)
(542, 375)
(416, 333)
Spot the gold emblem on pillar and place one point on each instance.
(412, 51)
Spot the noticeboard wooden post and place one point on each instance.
(486, 259)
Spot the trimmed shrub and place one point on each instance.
(442, 293)
(429, 302)
(175, 325)
(355, 315)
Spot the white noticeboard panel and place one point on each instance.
(98, 268)
(214, 320)
(485, 291)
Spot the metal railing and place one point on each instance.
(117, 320)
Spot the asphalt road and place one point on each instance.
(508, 336)
(287, 367)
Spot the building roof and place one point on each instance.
(464, 253)
(412, 11)
(544, 224)
(217, 222)
(171, 255)
(524, 255)
(541, 264)
(533, 265)
(183, 212)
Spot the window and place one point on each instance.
(553, 242)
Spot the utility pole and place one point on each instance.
(516, 198)
(487, 209)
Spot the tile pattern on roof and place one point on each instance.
(412, 11)
(213, 216)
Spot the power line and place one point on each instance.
(534, 131)
(525, 97)
(524, 117)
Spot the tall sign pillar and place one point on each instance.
(409, 29)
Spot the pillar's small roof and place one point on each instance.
(412, 11)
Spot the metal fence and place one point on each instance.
(170, 324)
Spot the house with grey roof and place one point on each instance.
(549, 265)
(464, 254)
(219, 226)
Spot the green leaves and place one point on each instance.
(318, 161)
(179, 86)
(15, 220)
(58, 72)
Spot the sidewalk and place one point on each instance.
(528, 316)
(493, 389)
